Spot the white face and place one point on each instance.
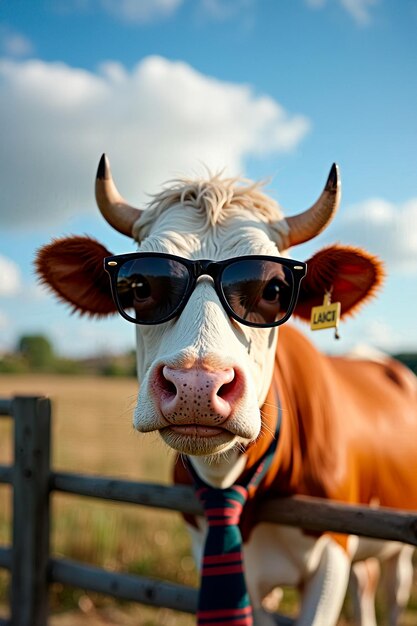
(204, 376)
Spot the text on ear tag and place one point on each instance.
(325, 316)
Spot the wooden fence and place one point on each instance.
(33, 568)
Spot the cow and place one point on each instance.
(209, 289)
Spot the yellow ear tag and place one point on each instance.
(326, 316)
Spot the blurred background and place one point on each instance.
(265, 89)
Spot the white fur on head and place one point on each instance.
(214, 201)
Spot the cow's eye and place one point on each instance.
(271, 291)
(141, 288)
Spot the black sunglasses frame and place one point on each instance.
(204, 267)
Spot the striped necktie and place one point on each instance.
(223, 598)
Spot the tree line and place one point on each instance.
(36, 353)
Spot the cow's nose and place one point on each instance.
(196, 395)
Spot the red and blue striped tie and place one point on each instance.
(223, 599)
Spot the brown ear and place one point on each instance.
(73, 269)
(351, 274)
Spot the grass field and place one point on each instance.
(92, 433)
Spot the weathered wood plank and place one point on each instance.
(6, 474)
(29, 590)
(181, 498)
(5, 406)
(124, 586)
(6, 558)
(319, 514)
(308, 513)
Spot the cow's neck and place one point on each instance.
(221, 472)
(309, 462)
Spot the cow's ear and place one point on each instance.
(72, 268)
(350, 274)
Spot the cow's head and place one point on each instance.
(204, 374)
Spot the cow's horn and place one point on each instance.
(310, 223)
(114, 209)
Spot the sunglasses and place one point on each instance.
(153, 288)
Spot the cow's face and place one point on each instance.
(203, 375)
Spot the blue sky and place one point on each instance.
(266, 89)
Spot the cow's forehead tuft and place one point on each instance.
(214, 201)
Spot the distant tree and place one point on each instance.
(37, 350)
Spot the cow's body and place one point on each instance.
(328, 404)
(332, 411)
(211, 386)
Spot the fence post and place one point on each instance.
(29, 587)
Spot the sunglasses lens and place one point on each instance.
(258, 291)
(150, 289)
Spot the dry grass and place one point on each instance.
(92, 433)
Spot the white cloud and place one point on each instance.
(377, 332)
(359, 10)
(141, 11)
(222, 10)
(160, 119)
(10, 278)
(14, 44)
(367, 334)
(146, 11)
(384, 228)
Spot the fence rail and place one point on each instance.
(33, 569)
(5, 406)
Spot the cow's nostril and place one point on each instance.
(166, 386)
(231, 391)
(227, 389)
(170, 388)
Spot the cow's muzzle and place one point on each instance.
(198, 404)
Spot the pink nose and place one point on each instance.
(196, 395)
